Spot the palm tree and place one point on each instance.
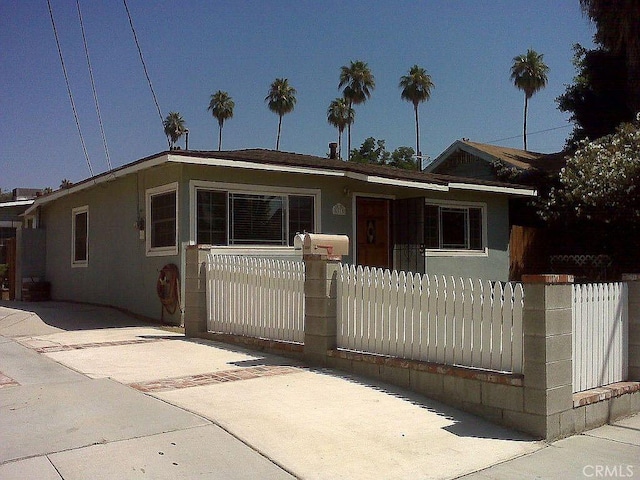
(358, 82)
(221, 106)
(416, 88)
(529, 74)
(174, 128)
(281, 100)
(340, 115)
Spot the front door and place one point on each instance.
(373, 246)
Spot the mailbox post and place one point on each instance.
(322, 255)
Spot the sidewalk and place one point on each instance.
(87, 392)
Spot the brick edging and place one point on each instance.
(261, 344)
(488, 376)
(606, 392)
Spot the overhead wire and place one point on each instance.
(93, 87)
(66, 79)
(529, 133)
(144, 65)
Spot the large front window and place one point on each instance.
(453, 227)
(225, 217)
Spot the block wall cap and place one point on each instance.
(630, 277)
(548, 278)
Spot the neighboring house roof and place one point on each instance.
(520, 159)
(25, 193)
(19, 203)
(270, 160)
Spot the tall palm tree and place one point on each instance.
(281, 99)
(174, 128)
(416, 88)
(618, 30)
(529, 74)
(221, 106)
(340, 115)
(358, 82)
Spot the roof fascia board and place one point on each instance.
(102, 178)
(443, 156)
(219, 162)
(397, 183)
(17, 203)
(465, 147)
(523, 192)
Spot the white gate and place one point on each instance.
(258, 297)
(600, 334)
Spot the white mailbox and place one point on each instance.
(298, 241)
(330, 246)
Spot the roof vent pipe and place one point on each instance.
(333, 150)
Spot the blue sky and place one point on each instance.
(194, 48)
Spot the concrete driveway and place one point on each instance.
(92, 393)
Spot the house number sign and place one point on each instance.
(339, 209)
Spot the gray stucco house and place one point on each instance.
(108, 237)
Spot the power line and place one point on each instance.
(93, 87)
(144, 65)
(531, 133)
(66, 79)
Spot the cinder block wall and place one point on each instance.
(539, 402)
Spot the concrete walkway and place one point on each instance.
(88, 392)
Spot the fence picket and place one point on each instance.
(517, 351)
(416, 317)
(506, 341)
(496, 326)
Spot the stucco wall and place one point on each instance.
(119, 273)
(492, 266)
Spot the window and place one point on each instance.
(226, 217)
(453, 227)
(162, 220)
(80, 237)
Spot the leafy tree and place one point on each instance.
(618, 31)
(5, 196)
(66, 184)
(174, 128)
(374, 152)
(597, 202)
(221, 106)
(403, 157)
(596, 100)
(340, 115)
(600, 181)
(529, 74)
(371, 151)
(281, 99)
(358, 82)
(416, 88)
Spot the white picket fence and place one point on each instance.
(600, 334)
(257, 297)
(431, 318)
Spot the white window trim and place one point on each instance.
(195, 185)
(440, 252)
(151, 192)
(79, 263)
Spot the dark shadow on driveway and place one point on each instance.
(41, 318)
